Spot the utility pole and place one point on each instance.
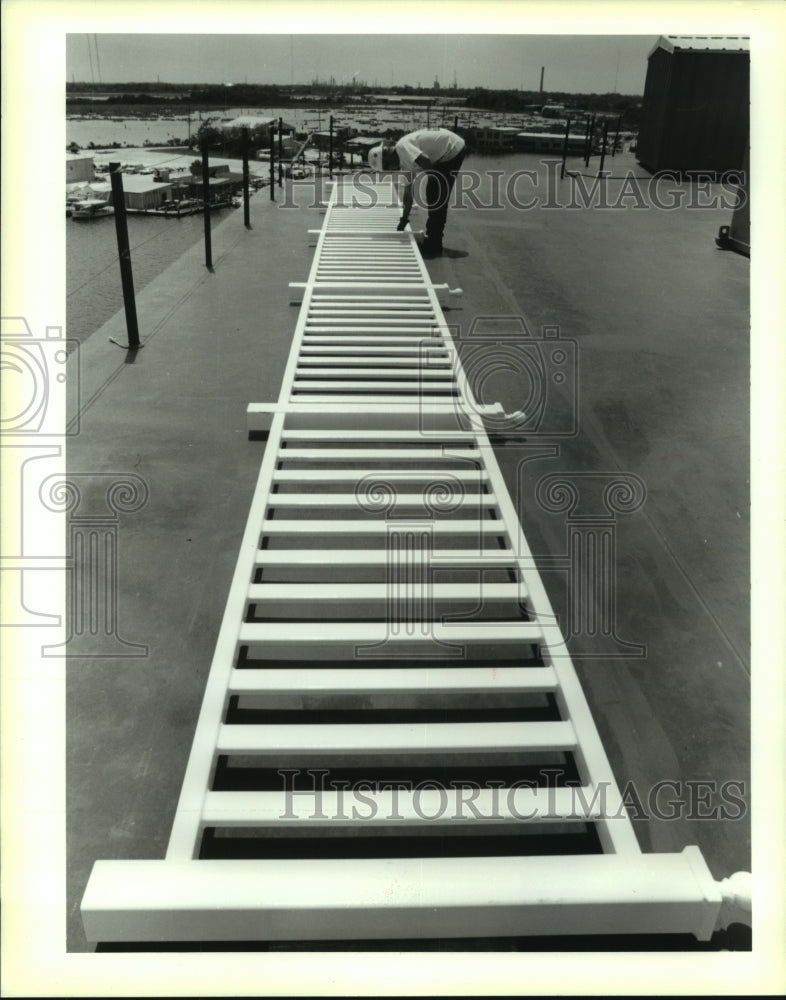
(330, 149)
(124, 253)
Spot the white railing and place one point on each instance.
(386, 618)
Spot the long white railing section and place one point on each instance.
(393, 741)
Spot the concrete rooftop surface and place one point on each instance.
(655, 320)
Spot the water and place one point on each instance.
(131, 132)
(93, 289)
(103, 131)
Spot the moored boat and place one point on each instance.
(91, 208)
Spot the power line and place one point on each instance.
(90, 57)
(98, 61)
(116, 258)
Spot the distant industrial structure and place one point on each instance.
(695, 112)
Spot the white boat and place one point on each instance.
(91, 208)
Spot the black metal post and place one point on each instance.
(280, 152)
(272, 164)
(603, 146)
(616, 135)
(455, 123)
(124, 253)
(206, 207)
(330, 149)
(246, 199)
(590, 133)
(565, 149)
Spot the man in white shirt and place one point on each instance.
(437, 152)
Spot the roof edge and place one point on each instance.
(682, 43)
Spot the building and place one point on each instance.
(222, 182)
(494, 138)
(695, 111)
(79, 167)
(142, 193)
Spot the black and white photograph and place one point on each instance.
(392, 499)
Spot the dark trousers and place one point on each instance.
(441, 178)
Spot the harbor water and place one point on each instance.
(93, 289)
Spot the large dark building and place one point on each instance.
(695, 112)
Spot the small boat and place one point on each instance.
(91, 208)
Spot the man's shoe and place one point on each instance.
(429, 249)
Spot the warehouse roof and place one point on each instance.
(140, 183)
(702, 43)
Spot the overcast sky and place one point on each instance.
(578, 64)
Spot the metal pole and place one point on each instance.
(124, 253)
(280, 152)
(565, 148)
(206, 207)
(330, 149)
(603, 146)
(617, 135)
(588, 150)
(272, 164)
(455, 123)
(246, 200)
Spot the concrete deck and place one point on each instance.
(659, 317)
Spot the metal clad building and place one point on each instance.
(695, 112)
